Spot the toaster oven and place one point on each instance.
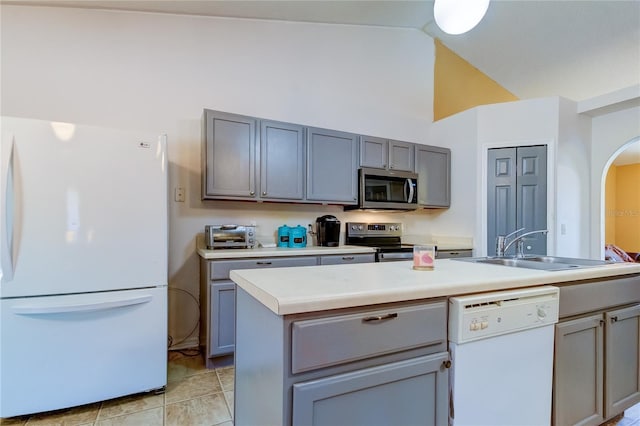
(229, 236)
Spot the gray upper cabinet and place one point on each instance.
(374, 152)
(229, 153)
(401, 156)
(433, 165)
(332, 166)
(387, 154)
(281, 161)
(235, 152)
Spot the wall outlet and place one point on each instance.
(179, 194)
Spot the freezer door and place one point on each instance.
(83, 209)
(63, 351)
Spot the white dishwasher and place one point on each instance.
(501, 347)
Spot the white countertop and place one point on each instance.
(280, 251)
(316, 288)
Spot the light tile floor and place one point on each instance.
(194, 396)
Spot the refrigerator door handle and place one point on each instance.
(43, 309)
(7, 254)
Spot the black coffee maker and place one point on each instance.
(328, 231)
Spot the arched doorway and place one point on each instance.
(621, 207)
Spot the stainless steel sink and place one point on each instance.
(568, 260)
(545, 263)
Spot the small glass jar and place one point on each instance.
(424, 256)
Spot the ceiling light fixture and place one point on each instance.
(459, 16)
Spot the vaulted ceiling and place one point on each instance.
(570, 48)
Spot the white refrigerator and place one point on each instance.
(83, 250)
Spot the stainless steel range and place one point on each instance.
(385, 237)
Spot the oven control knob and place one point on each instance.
(360, 227)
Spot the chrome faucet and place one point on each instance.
(502, 246)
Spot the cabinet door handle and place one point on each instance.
(348, 257)
(264, 192)
(252, 193)
(614, 319)
(601, 323)
(446, 364)
(263, 263)
(380, 317)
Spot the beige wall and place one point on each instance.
(610, 206)
(458, 85)
(627, 211)
(156, 72)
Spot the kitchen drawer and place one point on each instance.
(219, 270)
(449, 254)
(338, 259)
(317, 343)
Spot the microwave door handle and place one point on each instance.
(410, 182)
(406, 182)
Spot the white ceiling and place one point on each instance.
(570, 48)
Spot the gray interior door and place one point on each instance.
(517, 196)
(501, 195)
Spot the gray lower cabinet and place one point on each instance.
(451, 254)
(433, 165)
(222, 296)
(597, 359)
(217, 300)
(373, 365)
(382, 395)
(332, 166)
(622, 360)
(339, 259)
(578, 378)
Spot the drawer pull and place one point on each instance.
(380, 317)
(348, 257)
(263, 263)
(614, 319)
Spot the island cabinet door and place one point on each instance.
(578, 372)
(410, 392)
(622, 368)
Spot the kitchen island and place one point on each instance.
(347, 335)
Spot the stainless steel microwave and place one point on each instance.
(386, 190)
